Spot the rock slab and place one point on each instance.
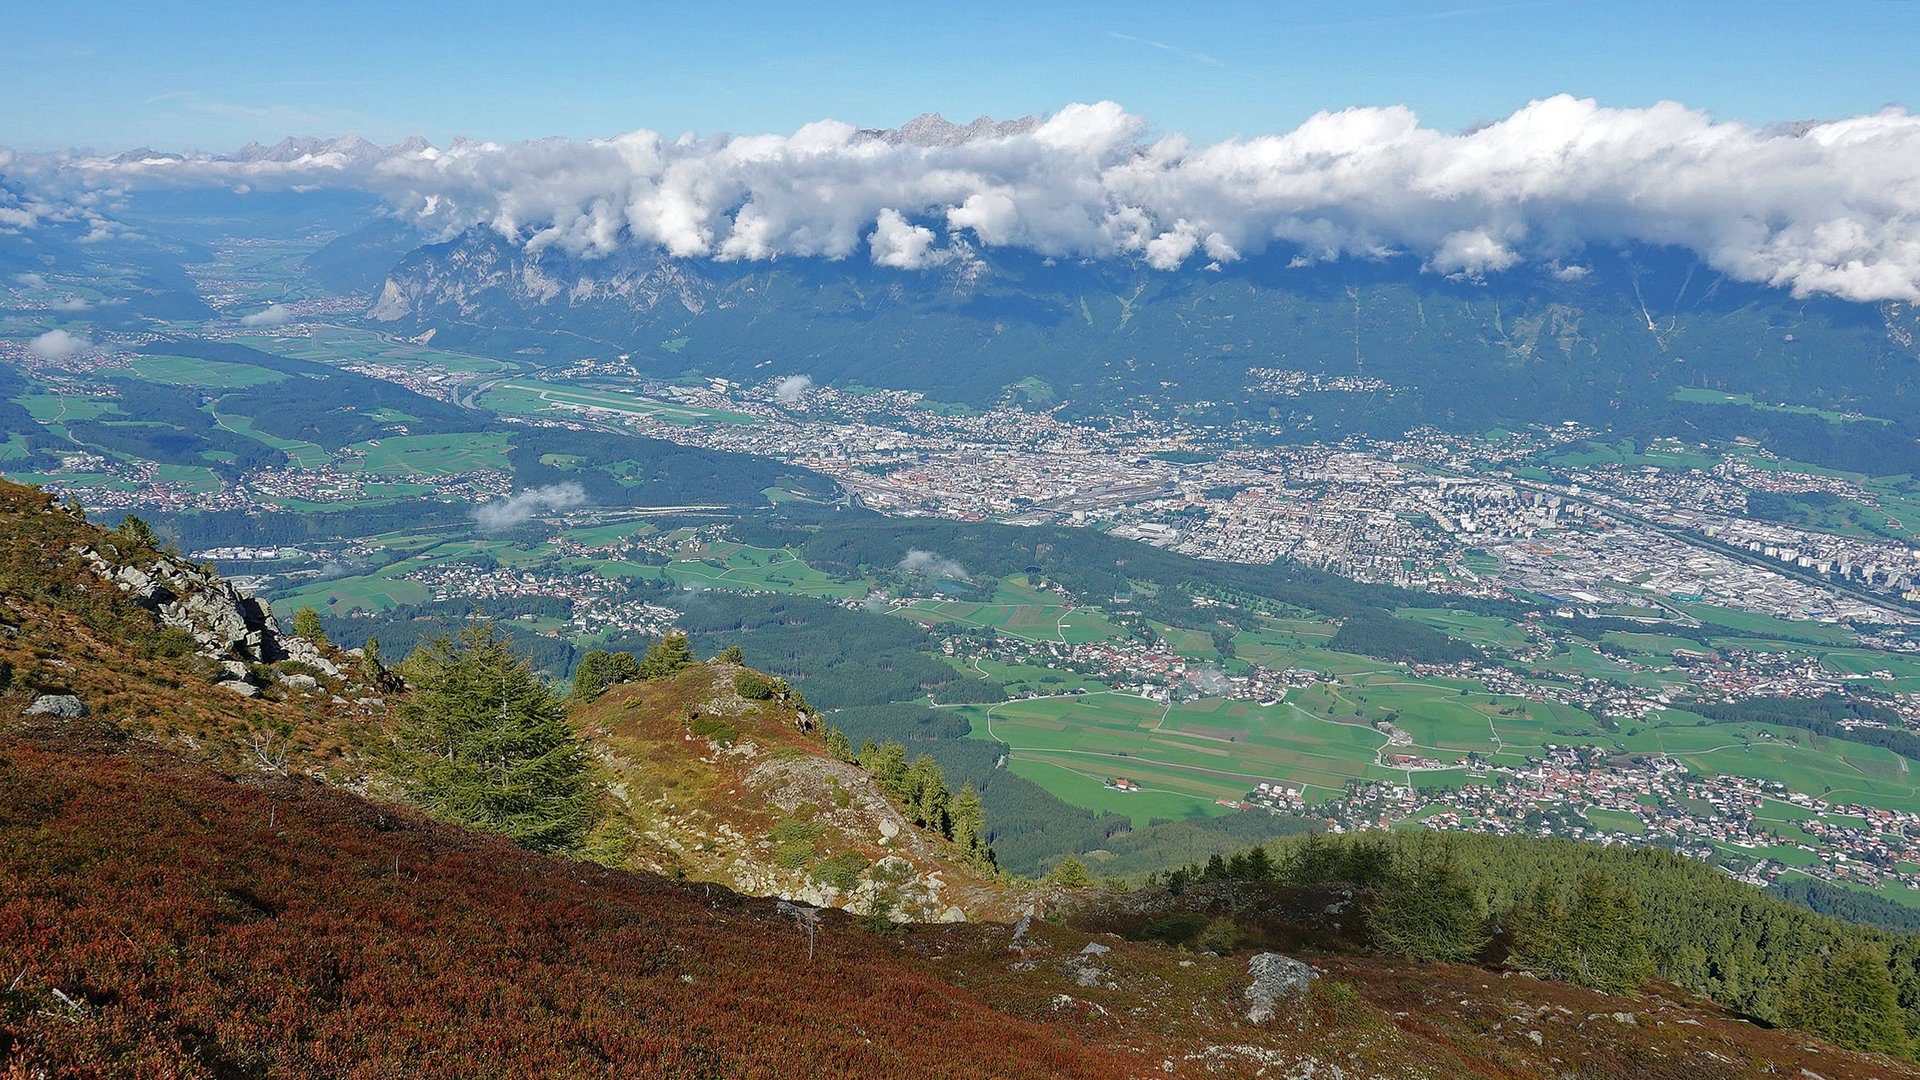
(1276, 978)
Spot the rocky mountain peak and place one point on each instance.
(932, 129)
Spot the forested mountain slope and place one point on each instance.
(1624, 329)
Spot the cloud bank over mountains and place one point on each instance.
(1831, 207)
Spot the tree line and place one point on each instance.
(1609, 918)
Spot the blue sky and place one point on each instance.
(213, 75)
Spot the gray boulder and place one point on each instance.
(225, 623)
(65, 706)
(1276, 978)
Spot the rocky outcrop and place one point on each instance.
(225, 623)
(1276, 979)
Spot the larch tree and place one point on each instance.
(669, 654)
(306, 624)
(487, 743)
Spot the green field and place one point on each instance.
(303, 454)
(1701, 396)
(340, 344)
(1031, 678)
(1655, 645)
(53, 408)
(741, 568)
(1831, 769)
(212, 374)
(374, 592)
(1748, 622)
(1616, 821)
(1486, 631)
(1033, 622)
(1205, 750)
(433, 455)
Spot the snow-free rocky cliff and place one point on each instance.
(227, 625)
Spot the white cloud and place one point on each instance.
(898, 243)
(272, 315)
(933, 564)
(57, 345)
(1210, 681)
(789, 390)
(1830, 207)
(1473, 252)
(506, 513)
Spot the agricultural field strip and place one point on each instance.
(1158, 729)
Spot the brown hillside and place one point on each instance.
(162, 919)
(64, 629)
(716, 787)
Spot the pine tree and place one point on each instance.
(1426, 908)
(1259, 865)
(926, 794)
(1595, 938)
(732, 655)
(888, 764)
(138, 533)
(488, 745)
(306, 624)
(592, 675)
(837, 744)
(1539, 929)
(969, 819)
(370, 662)
(1850, 999)
(1070, 873)
(1604, 934)
(669, 654)
(598, 670)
